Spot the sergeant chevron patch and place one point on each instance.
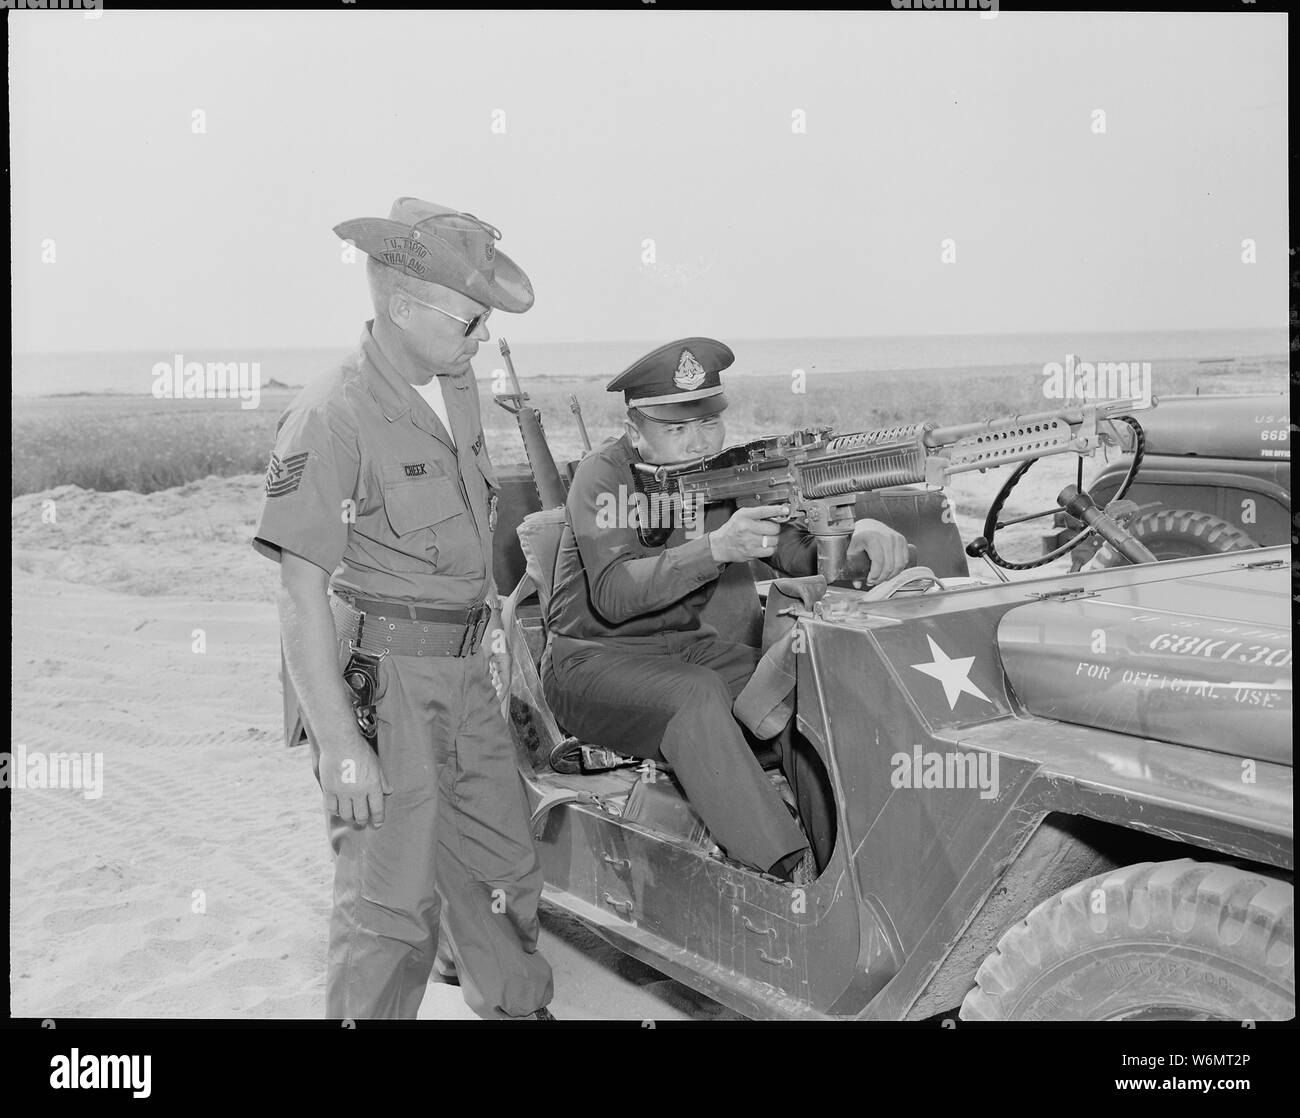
(284, 475)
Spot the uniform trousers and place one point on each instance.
(455, 830)
(668, 697)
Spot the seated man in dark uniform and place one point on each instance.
(630, 666)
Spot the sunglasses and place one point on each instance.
(470, 324)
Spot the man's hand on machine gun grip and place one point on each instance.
(883, 547)
(353, 781)
(750, 534)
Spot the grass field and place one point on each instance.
(110, 443)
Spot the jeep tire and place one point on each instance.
(1176, 534)
(1157, 941)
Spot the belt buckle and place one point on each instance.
(354, 646)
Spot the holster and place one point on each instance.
(361, 674)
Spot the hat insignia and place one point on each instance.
(690, 373)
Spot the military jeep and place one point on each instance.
(1059, 798)
(1064, 798)
(1216, 476)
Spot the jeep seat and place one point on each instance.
(920, 515)
(539, 535)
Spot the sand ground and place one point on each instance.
(197, 884)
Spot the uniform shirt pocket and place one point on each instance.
(431, 524)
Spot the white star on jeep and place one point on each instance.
(952, 672)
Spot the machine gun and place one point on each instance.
(818, 474)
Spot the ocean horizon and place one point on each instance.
(130, 372)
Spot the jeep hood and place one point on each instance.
(1200, 661)
(1244, 427)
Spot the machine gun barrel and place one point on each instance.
(1015, 438)
(1077, 414)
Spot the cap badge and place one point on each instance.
(690, 373)
(489, 251)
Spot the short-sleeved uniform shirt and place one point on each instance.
(610, 583)
(366, 483)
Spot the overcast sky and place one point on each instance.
(675, 127)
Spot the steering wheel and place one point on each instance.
(983, 545)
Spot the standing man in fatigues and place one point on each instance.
(630, 665)
(380, 506)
